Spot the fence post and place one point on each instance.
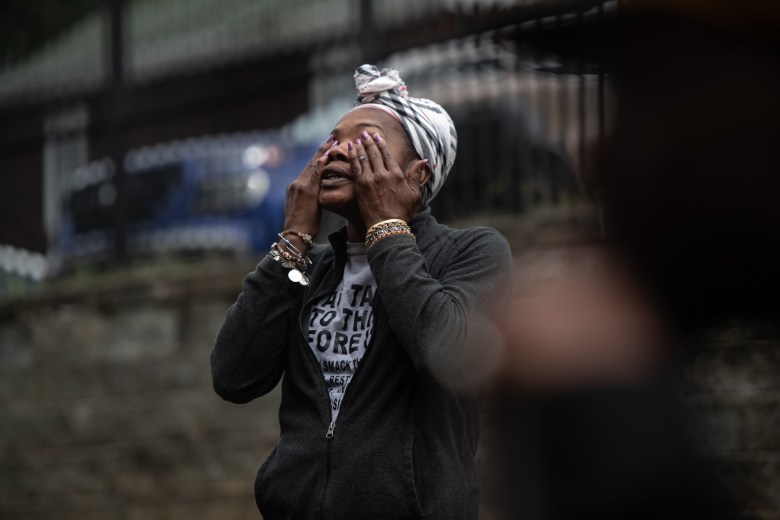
(115, 102)
(368, 40)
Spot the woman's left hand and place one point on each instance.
(382, 188)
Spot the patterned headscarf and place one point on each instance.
(428, 125)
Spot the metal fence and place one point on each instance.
(528, 119)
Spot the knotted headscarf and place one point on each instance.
(428, 125)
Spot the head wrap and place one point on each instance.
(428, 125)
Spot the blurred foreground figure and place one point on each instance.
(590, 420)
(690, 175)
(690, 181)
(580, 318)
(586, 423)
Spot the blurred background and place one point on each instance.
(626, 149)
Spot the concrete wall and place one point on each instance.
(107, 411)
(735, 390)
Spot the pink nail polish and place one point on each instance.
(329, 139)
(364, 134)
(358, 142)
(335, 143)
(377, 137)
(349, 146)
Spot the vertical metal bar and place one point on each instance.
(514, 165)
(368, 40)
(562, 97)
(524, 155)
(541, 163)
(601, 85)
(563, 120)
(115, 99)
(505, 141)
(582, 109)
(441, 29)
(116, 57)
(466, 142)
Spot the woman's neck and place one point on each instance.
(356, 231)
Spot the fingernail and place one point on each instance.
(335, 143)
(358, 141)
(364, 134)
(377, 137)
(326, 153)
(349, 146)
(329, 139)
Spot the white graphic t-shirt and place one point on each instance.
(340, 325)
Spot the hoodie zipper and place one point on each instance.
(328, 442)
(347, 393)
(329, 433)
(332, 424)
(321, 385)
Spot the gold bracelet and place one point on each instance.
(389, 234)
(385, 222)
(379, 230)
(376, 236)
(385, 226)
(303, 236)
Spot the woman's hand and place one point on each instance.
(302, 211)
(382, 188)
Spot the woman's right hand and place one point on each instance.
(302, 211)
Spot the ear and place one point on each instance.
(418, 173)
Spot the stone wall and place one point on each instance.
(735, 390)
(106, 406)
(107, 411)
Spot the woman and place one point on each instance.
(379, 335)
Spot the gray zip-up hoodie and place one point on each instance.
(403, 444)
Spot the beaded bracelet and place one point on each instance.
(303, 236)
(388, 234)
(291, 247)
(385, 229)
(296, 263)
(294, 259)
(386, 223)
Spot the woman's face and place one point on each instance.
(337, 187)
